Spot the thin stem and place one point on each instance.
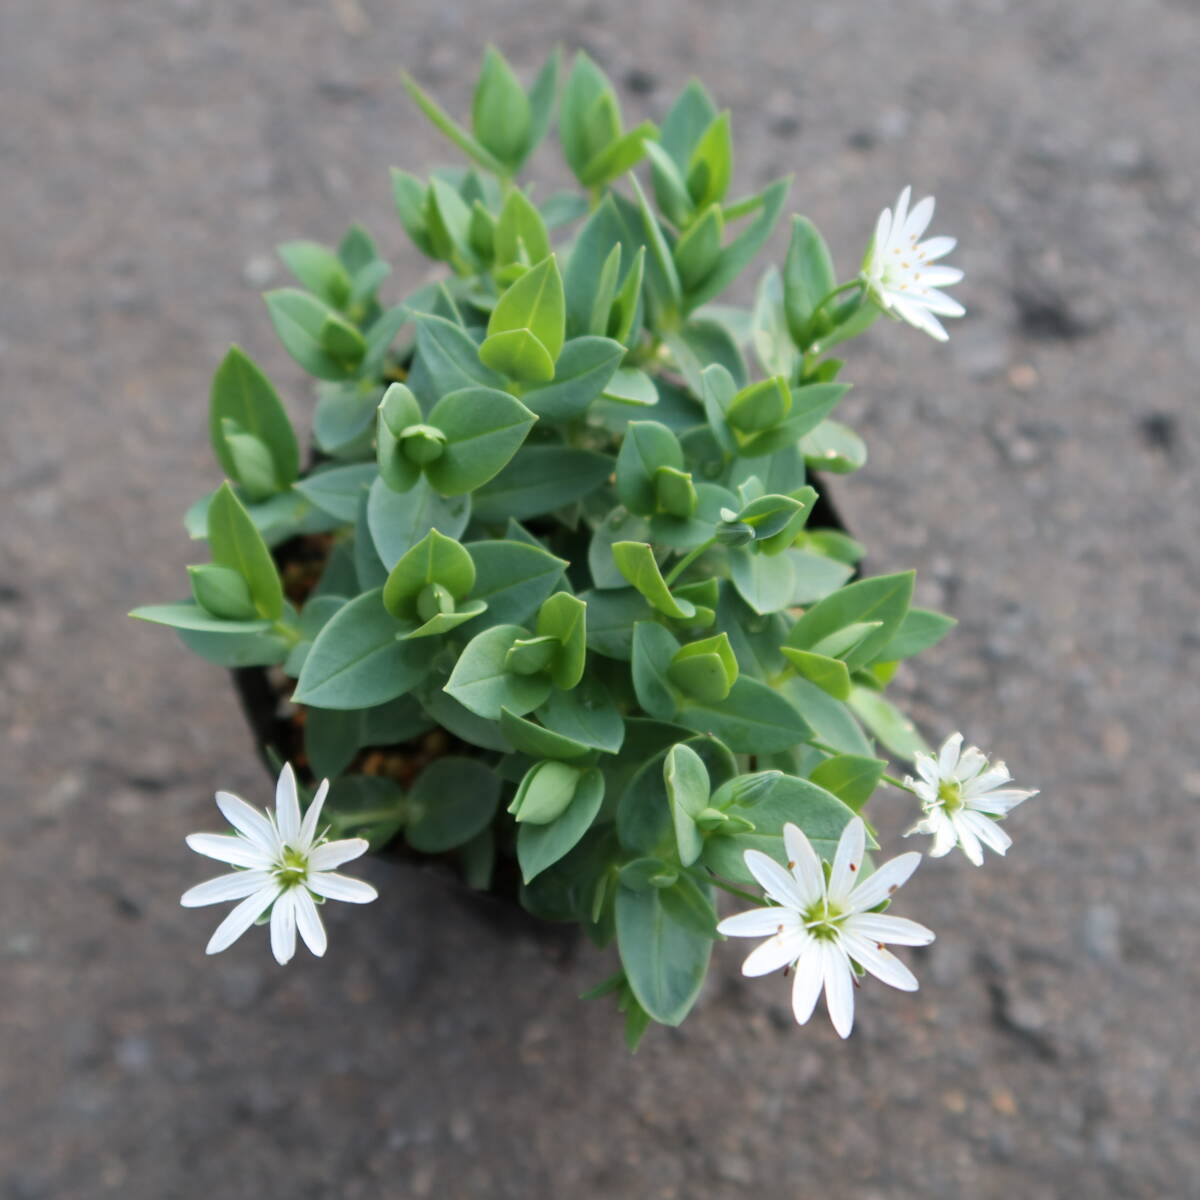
(837, 291)
(687, 560)
(728, 887)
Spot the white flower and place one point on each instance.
(283, 865)
(961, 797)
(819, 928)
(899, 271)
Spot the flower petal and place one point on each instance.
(996, 777)
(283, 927)
(935, 248)
(967, 839)
(774, 880)
(938, 302)
(937, 277)
(972, 762)
(898, 221)
(918, 220)
(839, 988)
(248, 821)
(241, 918)
(927, 768)
(229, 848)
(916, 314)
(759, 922)
(287, 806)
(308, 827)
(778, 951)
(332, 854)
(988, 832)
(847, 860)
(308, 921)
(948, 755)
(804, 863)
(806, 986)
(882, 927)
(883, 964)
(1000, 802)
(878, 887)
(236, 886)
(340, 887)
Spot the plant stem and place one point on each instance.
(728, 887)
(687, 560)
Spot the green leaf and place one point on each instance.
(319, 269)
(564, 618)
(850, 777)
(230, 650)
(834, 447)
(888, 724)
(223, 592)
(584, 370)
(670, 190)
(738, 254)
(234, 542)
(618, 156)
(482, 683)
(521, 235)
(500, 112)
(710, 164)
(611, 617)
(451, 358)
(619, 525)
(435, 559)
(883, 598)
(662, 279)
(920, 629)
(705, 670)
(452, 800)
(632, 387)
(545, 793)
(816, 576)
(766, 583)
(483, 429)
(356, 660)
(533, 311)
(829, 674)
(818, 813)
(192, 616)
(586, 87)
(540, 479)
(540, 846)
(303, 323)
(462, 723)
(339, 491)
(687, 785)
(537, 741)
(398, 521)
(685, 123)
(647, 445)
(664, 958)
(635, 560)
(603, 230)
(831, 721)
(451, 128)
(243, 394)
(653, 650)
(752, 719)
(807, 279)
(810, 406)
(586, 715)
(513, 578)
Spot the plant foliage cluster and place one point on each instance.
(570, 500)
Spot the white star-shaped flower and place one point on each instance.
(962, 797)
(820, 928)
(284, 865)
(899, 270)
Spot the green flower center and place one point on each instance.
(292, 867)
(950, 795)
(822, 920)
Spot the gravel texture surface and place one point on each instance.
(1040, 471)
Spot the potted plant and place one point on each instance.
(557, 596)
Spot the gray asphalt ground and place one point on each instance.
(1040, 471)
